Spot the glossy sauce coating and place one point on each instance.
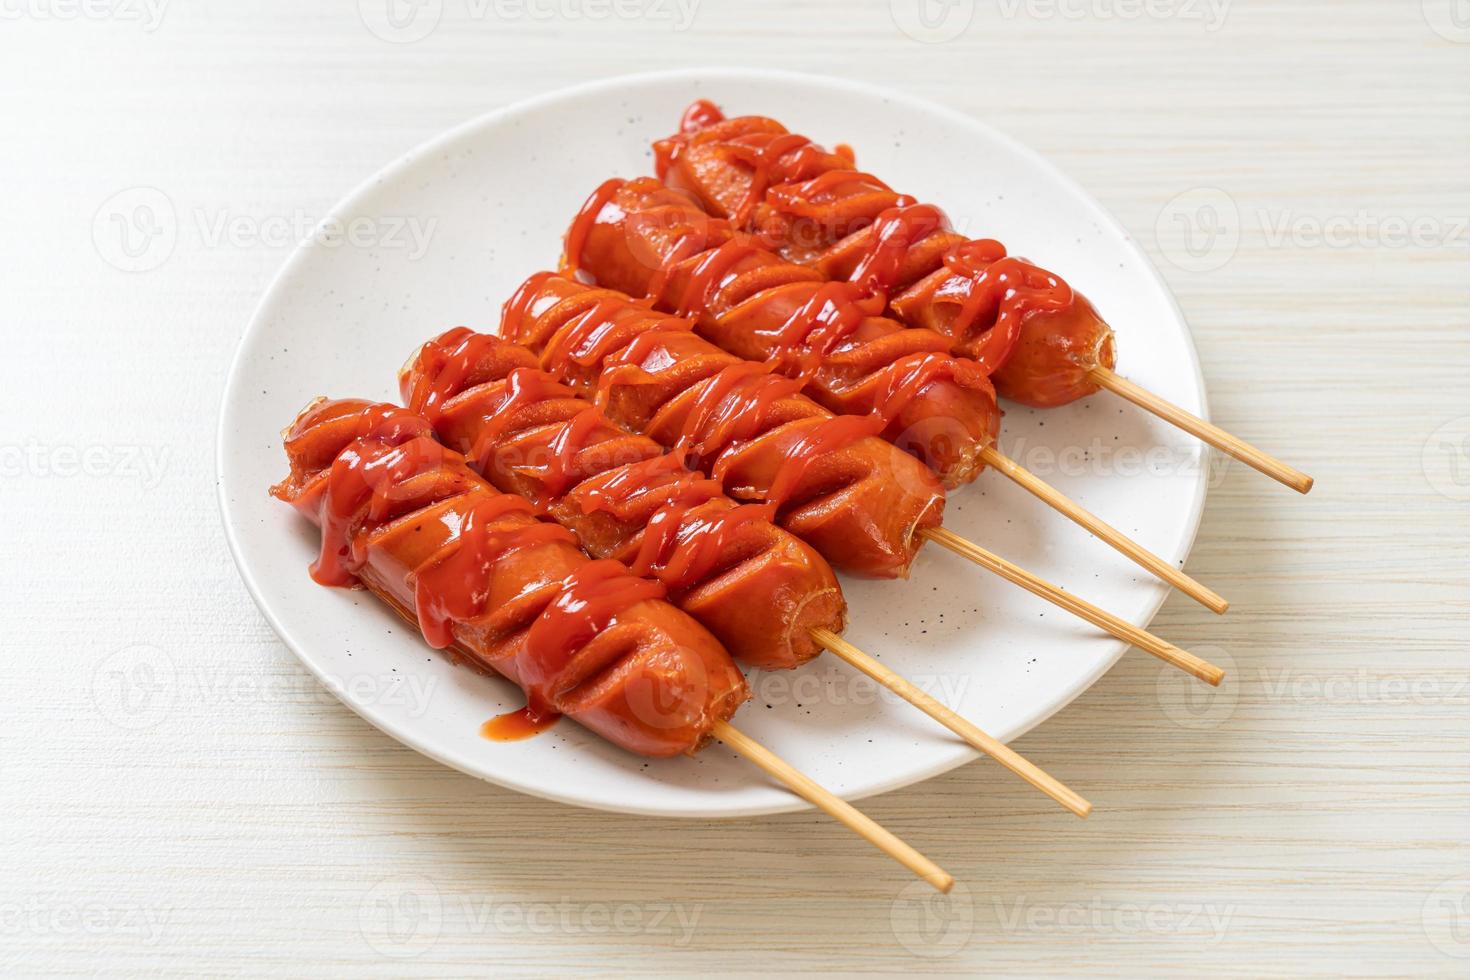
(757, 306)
(407, 519)
(758, 588)
(859, 505)
(817, 209)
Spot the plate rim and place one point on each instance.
(404, 733)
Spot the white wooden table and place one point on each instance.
(180, 799)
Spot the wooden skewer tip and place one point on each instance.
(1205, 431)
(845, 813)
(961, 726)
(1081, 608)
(1104, 531)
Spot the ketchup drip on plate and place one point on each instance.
(513, 726)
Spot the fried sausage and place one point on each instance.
(480, 575)
(1036, 336)
(758, 588)
(642, 238)
(855, 498)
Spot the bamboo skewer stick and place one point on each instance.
(1200, 429)
(844, 812)
(970, 732)
(1101, 618)
(1111, 535)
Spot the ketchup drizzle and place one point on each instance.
(392, 446)
(576, 240)
(590, 601)
(453, 587)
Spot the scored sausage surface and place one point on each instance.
(1037, 336)
(405, 517)
(643, 238)
(859, 501)
(757, 587)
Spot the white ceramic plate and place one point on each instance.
(495, 196)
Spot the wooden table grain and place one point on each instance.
(180, 799)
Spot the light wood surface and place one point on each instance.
(180, 799)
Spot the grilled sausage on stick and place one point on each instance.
(478, 574)
(1044, 341)
(641, 237)
(854, 498)
(765, 594)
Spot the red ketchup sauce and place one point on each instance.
(513, 726)
(392, 446)
(525, 387)
(818, 327)
(808, 198)
(675, 550)
(732, 407)
(576, 240)
(452, 587)
(832, 435)
(893, 234)
(590, 601)
(1002, 290)
(711, 273)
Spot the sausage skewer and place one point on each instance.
(767, 595)
(1046, 343)
(646, 239)
(405, 518)
(860, 501)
